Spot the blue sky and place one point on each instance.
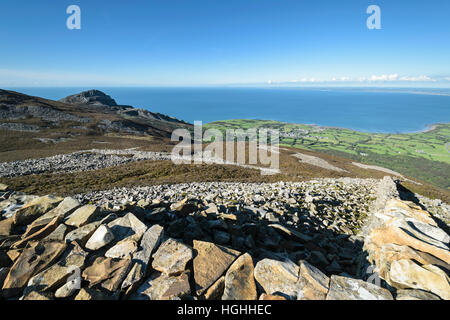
(215, 42)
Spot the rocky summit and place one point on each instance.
(327, 239)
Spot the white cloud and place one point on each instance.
(384, 77)
(341, 79)
(307, 80)
(418, 79)
(374, 79)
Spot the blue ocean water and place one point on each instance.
(369, 111)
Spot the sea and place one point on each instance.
(364, 109)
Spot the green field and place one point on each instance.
(421, 155)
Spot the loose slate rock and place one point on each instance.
(40, 234)
(210, 263)
(405, 236)
(52, 277)
(64, 208)
(35, 208)
(291, 233)
(3, 274)
(90, 294)
(239, 281)
(68, 289)
(149, 243)
(278, 277)
(215, 292)
(272, 297)
(101, 237)
(122, 250)
(38, 296)
(127, 226)
(6, 227)
(32, 261)
(408, 274)
(107, 272)
(82, 216)
(58, 234)
(313, 283)
(412, 294)
(82, 235)
(343, 288)
(163, 287)
(172, 257)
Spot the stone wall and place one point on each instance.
(404, 249)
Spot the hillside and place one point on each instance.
(91, 112)
(90, 184)
(32, 127)
(87, 142)
(423, 155)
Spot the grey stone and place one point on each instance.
(278, 277)
(171, 257)
(100, 238)
(343, 288)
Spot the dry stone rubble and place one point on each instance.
(329, 239)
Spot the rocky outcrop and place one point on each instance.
(93, 111)
(91, 97)
(45, 113)
(221, 247)
(21, 127)
(407, 251)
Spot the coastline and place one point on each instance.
(138, 98)
(428, 128)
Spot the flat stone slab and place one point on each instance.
(239, 280)
(172, 257)
(163, 287)
(100, 238)
(35, 208)
(278, 277)
(122, 250)
(82, 216)
(127, 226)
(210, 263)
(343, 288)
(32, 260)
(313, 284)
